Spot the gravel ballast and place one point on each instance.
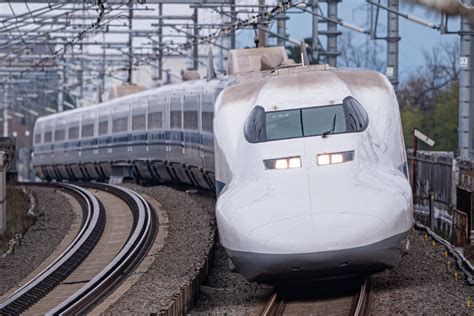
(421, 284)
(225, 292)
(191, 231)
(54, 217)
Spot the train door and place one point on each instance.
(207, 143)
(104, 151)
(157, 121)
(176, 150)
(120, 132)
(191, 128)
(139, 135)
(71, 147)
(88, 141)
(59, 138)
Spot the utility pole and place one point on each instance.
(332, 33)
(261, 34)
(466, 104)
(130, 44)
(315, 38)
(392, 42)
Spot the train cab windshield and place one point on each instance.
(348, 117)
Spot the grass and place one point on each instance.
(18, 220)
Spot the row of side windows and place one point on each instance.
(119, 125)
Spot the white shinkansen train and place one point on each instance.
(308, 162)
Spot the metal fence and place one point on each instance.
(439, 178)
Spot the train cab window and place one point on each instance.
(48, 137)
(348, 117)
(103, 128)
(87, 130)
(37, 138)
(138, 122)
(175, 119)
(191, 120)
(207, 118)
(155, 120)
(283, 124)
(120, 125)
(356, 118)
(319, 120)
(255, 129)
(59, 135)
(74, 132)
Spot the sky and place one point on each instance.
(415, 38)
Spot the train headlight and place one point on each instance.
(334, 158)
(283, 163)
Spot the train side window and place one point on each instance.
(74, 132)
(87, 130)
(191, 120)
(59, 135)
(356, 118)
(155, 120)
(103, 128)
(207, 118)
(138, 122)
(120, 125)
(255, 126)
(175, 119)
(48, 137)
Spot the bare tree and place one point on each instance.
(424, 85)
(359, 55)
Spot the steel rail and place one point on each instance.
(140, 240)
(360, 303)
(93, 223)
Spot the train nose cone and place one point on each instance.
(316, 233)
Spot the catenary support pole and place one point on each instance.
(130, 44)
(195, 42)
(5, 110)
(393, 39)
(262, 35)
(466, 104)
(281, 28)
(160, 43)
(3, 195)
(315, 35)
(332, 32)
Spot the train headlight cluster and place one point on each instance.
(283, 163)
(334, 158)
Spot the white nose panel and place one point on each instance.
(316, 233)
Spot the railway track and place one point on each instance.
(343, 298)
(118, 227)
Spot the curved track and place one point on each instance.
(89, 269)
(347, 298)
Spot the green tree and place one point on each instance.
(412, 117)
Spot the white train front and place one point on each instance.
(310, 167)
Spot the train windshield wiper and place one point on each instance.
(325, 134)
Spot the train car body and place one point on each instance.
(164, 135)
(308, 163)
